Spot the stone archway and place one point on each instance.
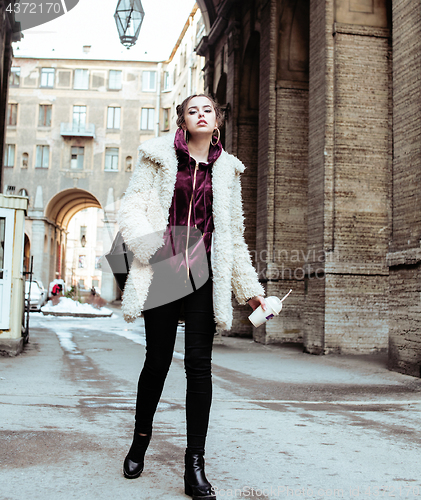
(64, 205)
(208, 10)
(49, 234)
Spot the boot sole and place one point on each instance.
(188, 490)
(132, 476)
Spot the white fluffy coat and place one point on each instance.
(145, 211)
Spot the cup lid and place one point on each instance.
(274, 303)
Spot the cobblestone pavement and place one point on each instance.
(284, 424)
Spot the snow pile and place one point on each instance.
(69, 306)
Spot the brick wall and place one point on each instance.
(407, 124)
(319, 160)
(405, 255)
(405, 320)
(356, 317)
(362, 174)
(349, 182)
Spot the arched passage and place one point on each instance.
(208, 10)
(51, 234)
(64, 205)
(26, 254)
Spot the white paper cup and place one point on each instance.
(273, 308)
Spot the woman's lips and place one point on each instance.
(202, 122)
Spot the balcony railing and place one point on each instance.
(75, 130)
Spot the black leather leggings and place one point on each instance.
(161, 326)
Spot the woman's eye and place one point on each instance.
(192, 112)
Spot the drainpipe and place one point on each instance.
(158, 101)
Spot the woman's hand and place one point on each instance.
(256, 302)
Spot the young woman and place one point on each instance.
(184, 181)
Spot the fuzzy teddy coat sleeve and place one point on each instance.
(245, 283)
(139, 207)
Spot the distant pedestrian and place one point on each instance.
(187, 180)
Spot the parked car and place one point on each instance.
(38, 296)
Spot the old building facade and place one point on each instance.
(331, 186)
(73, 128)
(182, 72)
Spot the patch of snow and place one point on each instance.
(70, 306)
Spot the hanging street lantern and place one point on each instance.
(129, 16)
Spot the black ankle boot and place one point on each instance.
(195, 483)
(133, 463)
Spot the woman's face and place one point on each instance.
(200, 116)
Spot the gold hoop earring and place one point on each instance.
(219, 137)
(186, 137)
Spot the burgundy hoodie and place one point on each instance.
(201, 211)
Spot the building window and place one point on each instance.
(174, 78)
(95, 283)
(98, 262)
(200, 28)
(76, 162)
(167, 80)
(114, 80)
(113, 117)
(82, 265)
(12, 114)
(79, 118)
(47, 77)
(167, 114)
(111, 159)
(185, 56)
(42, 157)
(25, 160)
(81, 80)
(149, 81)
(14, 77)
(44, 118)
(9, 155)
(147, 119)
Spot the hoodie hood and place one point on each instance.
(183, 150)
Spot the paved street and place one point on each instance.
(283, 424)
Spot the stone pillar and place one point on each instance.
(349, 176)
(108, 283)
(41, 260)
(39, 230)
(404, 258)
(265, 209)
